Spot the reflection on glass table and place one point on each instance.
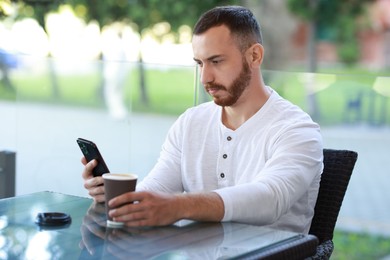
(88, 237)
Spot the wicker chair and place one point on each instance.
(338, 167)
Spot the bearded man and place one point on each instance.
(248, 156)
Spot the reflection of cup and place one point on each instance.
(116, 184)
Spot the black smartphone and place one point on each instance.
(90, 152)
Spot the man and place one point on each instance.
(249, 156)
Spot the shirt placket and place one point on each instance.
(224, 173)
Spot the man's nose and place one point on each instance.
(206, 75)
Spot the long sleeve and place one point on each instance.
(285, 189)
(267, 171)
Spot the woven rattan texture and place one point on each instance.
(338, 167)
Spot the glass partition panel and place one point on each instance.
(331, 99)
(58, 101)
(335, 99)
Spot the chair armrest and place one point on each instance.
(324, 251)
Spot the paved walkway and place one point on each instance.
(366, 205)
(48, 157)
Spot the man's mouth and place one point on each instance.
(213, 89)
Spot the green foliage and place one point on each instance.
(143, 13)
(176, 13)
(326, 12)
(146, 13)
(359, 246)
(4, 5)
(37, 9)
(348, 47)
(104, 12)
(334, 16)
(348, 52)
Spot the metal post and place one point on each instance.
(7, 174)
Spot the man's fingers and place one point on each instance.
(84, 160)
(87, 173)
(93, 183)
(127, 197)
(99, 198)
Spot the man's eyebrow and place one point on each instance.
(210, 58)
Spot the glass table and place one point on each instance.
(88, 237)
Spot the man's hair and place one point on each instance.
(240, 21)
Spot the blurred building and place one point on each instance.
(373, 39)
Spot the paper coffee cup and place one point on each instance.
(116, 184)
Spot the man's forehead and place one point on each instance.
(221, 32)
(215, 41)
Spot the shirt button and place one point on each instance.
(222, 175)
(229, 138)
(224, 156)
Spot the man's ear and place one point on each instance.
(255, 55)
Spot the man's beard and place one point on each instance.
(236, 88)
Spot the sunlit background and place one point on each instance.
(120, 75)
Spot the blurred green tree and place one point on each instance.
(146, 14)
(4, 5)
(337, 17)
(37, 9)
(143, 13)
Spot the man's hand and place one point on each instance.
(94, 185)
(159, 209)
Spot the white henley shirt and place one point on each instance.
(267, 171)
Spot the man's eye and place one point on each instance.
(198, 63)
(216, 61)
